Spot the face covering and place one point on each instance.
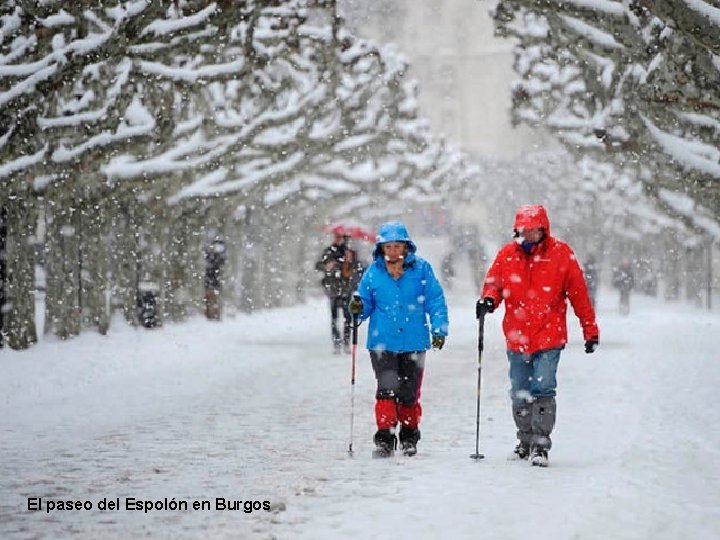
(528, 246)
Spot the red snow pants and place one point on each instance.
(399, 380)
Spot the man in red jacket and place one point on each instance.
(534, 276)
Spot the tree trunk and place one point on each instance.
(302, 269)
(94, 262)
(249, 265)
(175, 285)
(693, 274)
(672, 268)
(155, 231)
(3, 269)
(62, 266)
(124, 257)
(20, 279)
(233, 265)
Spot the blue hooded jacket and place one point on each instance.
(399, 308)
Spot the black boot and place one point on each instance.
(539, 457)
(408, 441)
(522, 450)
(385, 443)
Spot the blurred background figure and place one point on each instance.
(477, 257)
(467, 240)
(591, 277)
(447, 270)
(214, 261)
(352, 270)
(624, 281)
(146, 302)
(341, 274)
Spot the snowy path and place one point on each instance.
(257, 409)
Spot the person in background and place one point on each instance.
(214, 262)
(408, 314)
(535, 276)
(591, 277)
(624, 282)
(447, 270)
(478, 261)
(341, 274)
(351, 271)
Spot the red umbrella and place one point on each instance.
(353, 231)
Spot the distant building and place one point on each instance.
(464, 72)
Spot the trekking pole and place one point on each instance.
(481, 324)
(355, 325)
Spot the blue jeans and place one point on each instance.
(533, 375)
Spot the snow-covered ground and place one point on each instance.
(256, 408)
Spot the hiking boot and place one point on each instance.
(522, 451)
(539, 457)
(385, 443)
(409, 448)
(408, 440)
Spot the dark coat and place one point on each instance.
(214, 261)
(623, 278)
(342, 279)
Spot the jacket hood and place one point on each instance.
(393, 231)
(532, 216)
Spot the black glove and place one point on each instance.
(355, 306)
(438, 342)
(591, 345)
(484, 306)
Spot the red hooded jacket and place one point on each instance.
(535, 285)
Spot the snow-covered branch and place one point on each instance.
(642, 87)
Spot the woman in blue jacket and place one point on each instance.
(399, 293)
